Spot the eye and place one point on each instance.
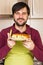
(24, 13)
(17, 13)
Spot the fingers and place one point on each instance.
(9, 34)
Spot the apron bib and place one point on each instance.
(19, 55)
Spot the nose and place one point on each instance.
(20, 15)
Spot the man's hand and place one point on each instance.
(29, 44)
(10, 42)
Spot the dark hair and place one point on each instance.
(20, 5)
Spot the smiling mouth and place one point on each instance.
(20, 19)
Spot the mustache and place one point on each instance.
(20, 18)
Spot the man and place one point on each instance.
(20, 52)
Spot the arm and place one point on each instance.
(38, 49)
(4, 49)
(5, 43)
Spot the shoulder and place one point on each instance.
(34, 32)
(6, 29)
(32, 29)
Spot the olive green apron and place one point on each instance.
(19, 55)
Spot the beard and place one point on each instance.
(20, 24)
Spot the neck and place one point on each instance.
(20, 28)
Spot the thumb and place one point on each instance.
(8, 34)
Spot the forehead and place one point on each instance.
(22, 10)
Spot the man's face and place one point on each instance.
(21, 16)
